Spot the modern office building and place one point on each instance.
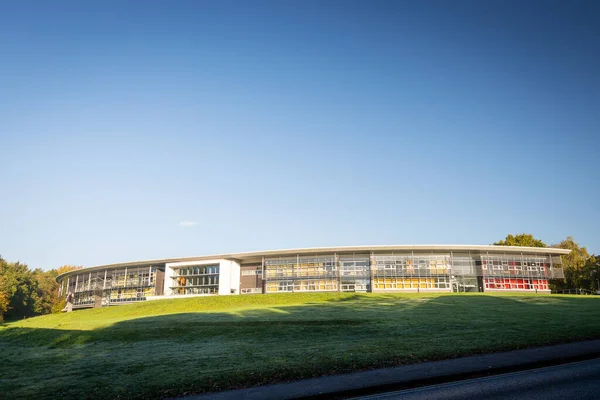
(420, 268)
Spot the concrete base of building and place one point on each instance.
(76, 307)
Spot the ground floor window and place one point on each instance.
(124, 295)
(83, 298)
(355, 285)
(512, 283)
(197, 290)
(251, 290)
(302, 285)
(411, 283)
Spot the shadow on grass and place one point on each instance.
(351, 311)
(204, 351)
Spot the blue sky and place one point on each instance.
(159, 129)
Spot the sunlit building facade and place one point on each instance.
(336, 269)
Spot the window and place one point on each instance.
(199, 279)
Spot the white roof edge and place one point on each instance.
(313, 250)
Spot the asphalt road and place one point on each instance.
(580, 380)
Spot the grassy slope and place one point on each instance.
(172, 347)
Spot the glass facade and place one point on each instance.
(411, 271)
(355, 273)
(301, 274)
(461, 271)
(202, 279)
(518, 272)
(120, 285)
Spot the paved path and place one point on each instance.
(580, 380)
(348, 385)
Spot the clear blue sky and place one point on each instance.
(150, 129)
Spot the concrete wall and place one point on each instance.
(229, 277)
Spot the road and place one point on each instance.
(579, 380)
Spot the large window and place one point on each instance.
(411, 283)
(515, 284)
(115, 286)
(516, 266)
(301, 274)
(131, 284)
(355, 273)
(463, 264)
(411, 265)
(201, 279)
(517, 272)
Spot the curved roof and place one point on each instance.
(258, 255)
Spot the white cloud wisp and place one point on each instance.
(188, 224)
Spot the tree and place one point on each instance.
(3, 302)
(592, 270)
(47, 291)
(4, 296)
(25, 293)
(20, 288)
(67, 268)
(521, 239)
(574, 263)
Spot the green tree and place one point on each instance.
(47, 291)
(592, 270)
(521, 239)
(25, 293)
(574, 264)
(19, 286)
(4, 295)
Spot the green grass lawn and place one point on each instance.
(173, 347)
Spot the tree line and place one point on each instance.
(26, 293)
